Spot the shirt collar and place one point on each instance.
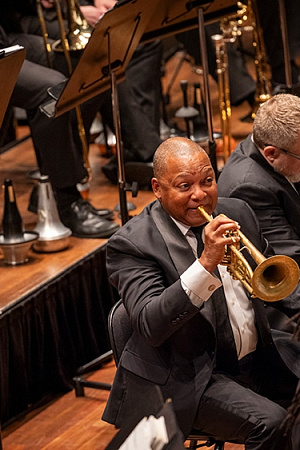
(182, 227)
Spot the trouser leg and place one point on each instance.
(234, 413)
(56, 141)
(139, 135)
(143, 73)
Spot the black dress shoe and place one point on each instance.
(85, 223)
(105, 213)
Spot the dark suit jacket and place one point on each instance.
(248, 176)
(174, 343)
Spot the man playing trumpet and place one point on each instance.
(198, 334)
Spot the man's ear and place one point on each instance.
(271, 153)
(156, 188)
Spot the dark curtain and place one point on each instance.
(48, 335)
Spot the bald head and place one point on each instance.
(183, 180)
(175, 147)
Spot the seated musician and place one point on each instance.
(197, 333)
(264, 171)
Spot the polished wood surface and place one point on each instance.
(20, 280)
(68, 422)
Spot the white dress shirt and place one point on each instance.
(199, 286)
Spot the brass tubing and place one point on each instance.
(273, 279)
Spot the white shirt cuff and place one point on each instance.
(199, 284)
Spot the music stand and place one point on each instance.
(177, 16)
(11, 60)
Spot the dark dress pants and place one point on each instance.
(247, 409)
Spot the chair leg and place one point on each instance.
(194, 444)
(81, 382)
(218, 445)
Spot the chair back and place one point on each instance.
(119, 329)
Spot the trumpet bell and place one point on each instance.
(275, 278)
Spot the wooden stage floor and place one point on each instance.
(69, 422)
(20, 280)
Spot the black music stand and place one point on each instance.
(177, 16)
(11, 60)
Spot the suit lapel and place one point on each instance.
(177, 245)
(292, 195)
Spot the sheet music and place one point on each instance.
(11, 60)
(8, 50)
(151, 432)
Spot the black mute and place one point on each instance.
(12, 224)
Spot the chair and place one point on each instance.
(119, 331)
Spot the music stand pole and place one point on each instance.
(203, 51)
(119, 149)
(286, 50)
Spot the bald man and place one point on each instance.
(197, 333)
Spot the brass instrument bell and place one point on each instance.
(273, 279)
(78, 32)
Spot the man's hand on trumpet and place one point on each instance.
(216, 237)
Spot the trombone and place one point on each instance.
(230, 29)
(77, 37)
(263, 84)
(245, 19)
(273, 279)
(224, 91)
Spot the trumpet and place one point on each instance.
(224, 91)
(273, 279)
